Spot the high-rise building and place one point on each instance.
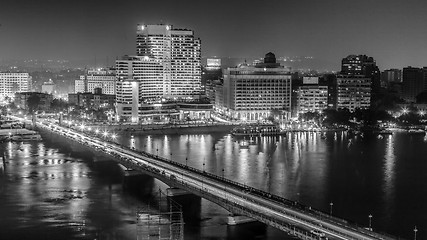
(139, 82)
(179, 54)
(353, 91)
(11, 82)
(362, 65)
(390, 76)
(252, 93)
(413, 83)
(97, 78)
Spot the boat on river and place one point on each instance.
(257, 130)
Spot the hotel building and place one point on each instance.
(251, 93)
(180, 57)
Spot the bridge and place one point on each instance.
(286, 215)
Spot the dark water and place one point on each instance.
(50, 192)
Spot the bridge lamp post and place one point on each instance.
(203, 166)
(370, 222)
(105, 134)
(415, 233)
(223, 173)
(186, 161)
(330, 209)
(96, 131)
(114, 136)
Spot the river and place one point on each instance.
(48, 191)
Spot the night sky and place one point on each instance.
(393, 32)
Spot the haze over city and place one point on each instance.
(393, 32)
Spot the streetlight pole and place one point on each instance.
(415, 233)
(370, 222)
(330, 209)
(223, 173)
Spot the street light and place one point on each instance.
(223, 173)
(415, 233)
(330, 210)
(405, 110)
(370, 222)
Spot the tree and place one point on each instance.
(33, 102)
(422, 97)
(58, 105)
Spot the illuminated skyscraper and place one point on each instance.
(180, 56)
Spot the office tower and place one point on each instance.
(179, 54)
(362, 65)
(11, 82)
(252, 93)
(353, 91)
(97, 78)
(413, 83)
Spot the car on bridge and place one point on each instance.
(318, 233)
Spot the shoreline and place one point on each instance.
(167, 128)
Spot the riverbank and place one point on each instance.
(167, 128)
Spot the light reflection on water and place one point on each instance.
(44, 188)
(358, 174)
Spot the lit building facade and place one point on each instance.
(353, 91)
(252, 93)
(312, 98)
(48, 87)
(362, 65)
(10, 83)
(97, 78)
(180, 57)
(96, 100)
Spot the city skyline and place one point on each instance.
(390, 31)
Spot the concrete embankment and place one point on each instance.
(166, 129)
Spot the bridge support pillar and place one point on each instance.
(233, 219)
(191, 204)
